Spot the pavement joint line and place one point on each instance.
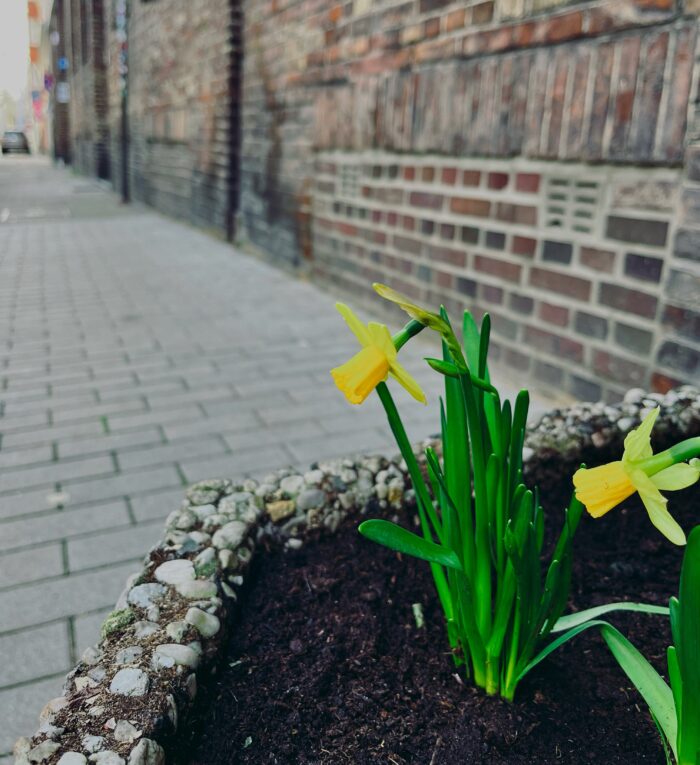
(32, 681)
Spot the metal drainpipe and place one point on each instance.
(122, 13)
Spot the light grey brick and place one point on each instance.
(30, 565)
(34, 653)
(236, 465)
(99, 410)
(62, 472)
(24, 421)
(86, 629)
(341, 445)
(157, 504)
(21, 457)
(61, 524)
(158, 417)
(134, 482)
(25, 502)
(175, 452)
(222, 423)
(44, 435)
(107, 442)
(20, 709)
(129, 544)
(271, 436)
(46, 601)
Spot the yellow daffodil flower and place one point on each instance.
(377, 360)
(602, 488)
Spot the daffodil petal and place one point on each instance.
(602, 488)
(381, 337)
(407, 381)
(638, 441)
(356, 326)
(655, 504)
(427, 318)
(675, 477)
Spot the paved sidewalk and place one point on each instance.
(137, 355)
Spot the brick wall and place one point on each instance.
(183, 140)
(523, 157)
(85, 35)
(61, 111)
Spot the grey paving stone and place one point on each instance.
(133, 482)
(236, 465)
(20, 707)
(34, 653)
(271, 436)
(86, 629)
(34, 604)
(30, 565)
(98, 410)
(107, 442)
(61, 524)
(341, 444)
(23, 421)
(157, 504)
(22, 457)
(129, 544)
(21, 503)
(224, 422)
(44, 435)
(159, 417)
(55, 472)
(175, 452)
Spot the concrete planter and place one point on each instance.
(130, 694)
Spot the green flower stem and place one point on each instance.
(424, 500)
(681, 452)
(403, 336)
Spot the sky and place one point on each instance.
(14, 46)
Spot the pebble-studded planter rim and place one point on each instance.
(127, 696)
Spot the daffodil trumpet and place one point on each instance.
(603, 488)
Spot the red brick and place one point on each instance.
(557, 97)
(346, 228)
(528, 182)
(408, 223)
(490, 294)
(577, 106)
(618, 369)
(471, 178)
(655, 5)
(449, 175)
(405, 244)
(432, 27)
(626, 84)
(409, 173)
(564, 27)
(554, 314)
(516, 213)
(376, 216)
(455, 20)
(554, 344)
(662, 383)
(499, 268)
(497, 180)
(598, 260)
(392, 218)
(523, 245)
(448, 255)
(335, 14)
(430, 201)
(466, 206)
(444, 280)
(560, 284)
(482, 13)
(593, 145)
(524, 34)
(428, 174)
(632, 301)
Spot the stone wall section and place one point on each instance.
(183, 140)
(519, 156)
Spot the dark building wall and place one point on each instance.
(525, 157)
(85, 43)
(61, 111)
(183, 138)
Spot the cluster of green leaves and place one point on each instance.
(482, 528)
(675, 708)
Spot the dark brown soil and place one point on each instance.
(326, 663)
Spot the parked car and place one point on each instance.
(14, 140)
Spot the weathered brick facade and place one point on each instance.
(83, 42)
(518, 156)
(183, 59)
